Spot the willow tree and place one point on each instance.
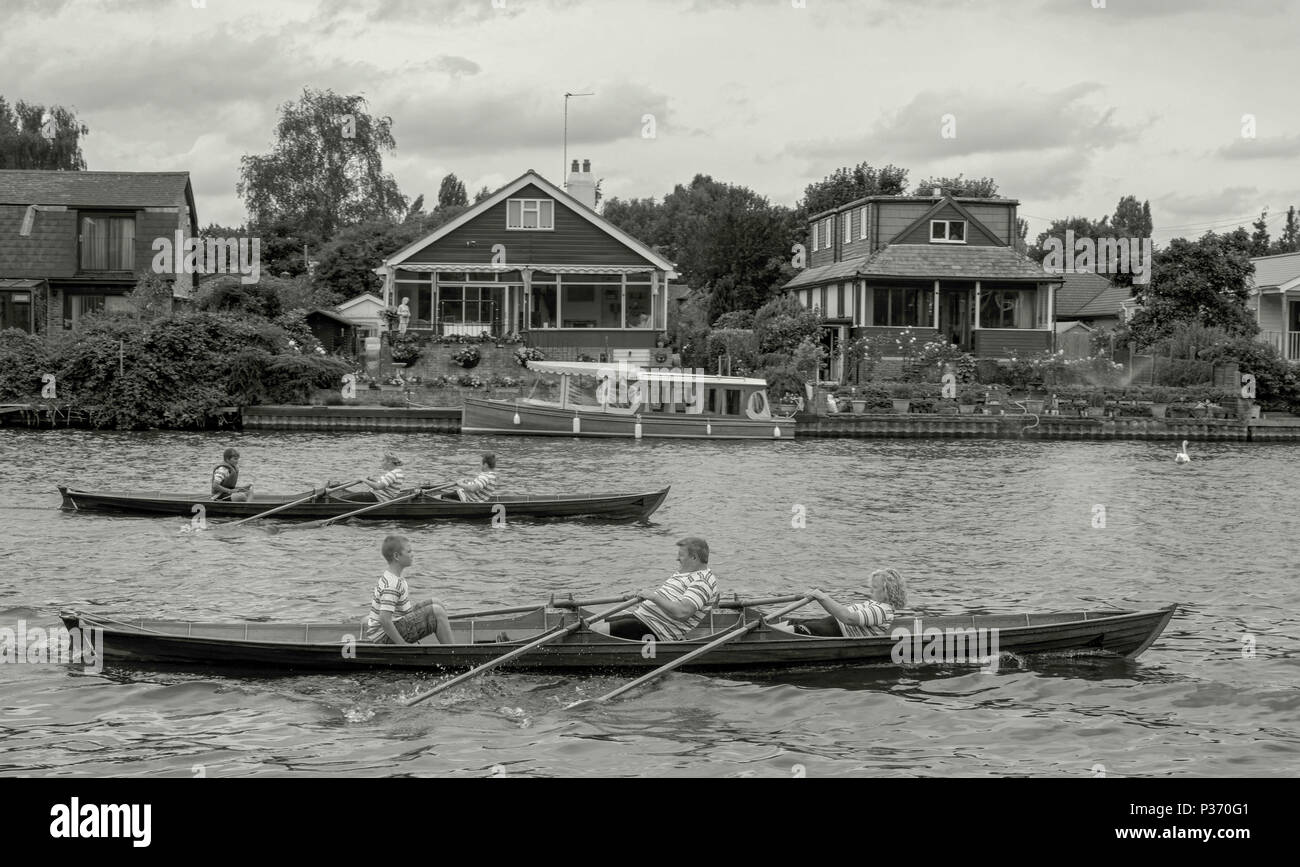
(326, 168)
(35, 136)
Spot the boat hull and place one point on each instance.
(293, 648)
(636, 506)
(498, 417)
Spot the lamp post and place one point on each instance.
(565, 168)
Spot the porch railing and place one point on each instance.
(1285, 342)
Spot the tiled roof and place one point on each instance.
(1077, 291)
(1107, 302)
(954, 261)
(93, 189)
(1276, 270)
(826, 273)
(20, 283)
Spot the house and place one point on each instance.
(366, 312)
(1090, 298)
(335, 332)
(1276, 299)
(76, 242)
(943, 266)
(534, 260)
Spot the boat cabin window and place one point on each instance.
(733, 401)
(728, 404)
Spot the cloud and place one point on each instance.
(1186, 207)
(486, 120)
(1166, 8)
(985, 123)
(1275, 147)
(455, 66)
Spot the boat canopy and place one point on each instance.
(646, 374)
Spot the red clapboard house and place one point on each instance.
(536, 261)
(72, 243)
(943, 266)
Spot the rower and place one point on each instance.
(383, 487)
(669, 613)
(225, 479)
(482, 487)
(865, 619)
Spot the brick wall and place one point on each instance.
(435, 360)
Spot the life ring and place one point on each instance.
(660, 356)
(758, 407)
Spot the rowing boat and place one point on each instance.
(282, 648)
(618, 507)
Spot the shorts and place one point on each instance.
(629, 627)
(419, 622)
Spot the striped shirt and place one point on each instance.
(873, 618)
(390, 484)
(480, 489)
(700, 589)
(392, 595)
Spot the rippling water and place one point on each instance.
(975, 526)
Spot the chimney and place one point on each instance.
(937, 192)
(582, 184)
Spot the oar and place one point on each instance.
(730, 635)
(325, 522)
(523, 609)
(553, 635)
(285, 506)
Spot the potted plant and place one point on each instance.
(967, 397)
(467, 357)
(1097, 404)
(404, 348)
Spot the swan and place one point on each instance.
(1182, 457)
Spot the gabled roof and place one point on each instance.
(96, 189)
(1088, 295)
(330, 314)
(846, 269)
(353, 302)
(1277, 272)
(561, 198)
(1077, 290)
(938, 206)
(869, 199)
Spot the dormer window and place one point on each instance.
(814, 237)
(947, 231)
(530, 215)
(848, 227)
(107, 242)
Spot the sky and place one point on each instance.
(1068, 104)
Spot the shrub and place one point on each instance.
(935, 355)
(739, 344)
(468, 380)
(24, 359)
(525, 354)
(863, 355)
(783, 323)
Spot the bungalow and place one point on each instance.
(943, 266)
(1276, 299)
(75, 242)
(537, 261)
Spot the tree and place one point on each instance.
(783, 323)
(452, 192)
(347, 262)
(1205, 281)
(1022, 230)
(416, 211)
(482, 194)
(1259, 239)
(326, 168)
(849, 183)
(981, 188)
(1132, 220)
(35, 136)
(152, 296)
(1082, 227)
(640, 218)
(1289, 240)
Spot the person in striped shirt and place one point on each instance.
(392, 618)
(865, 619)
(669, 613)
(387, 485)
(482, 487)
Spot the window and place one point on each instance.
(830, 232)
(16, 310)
(948, 231)
(901, 307)
(478, 308)
(733, 401)
(77, 306)
(543, 307)
(814, 238)
(1008, 308)
(640, 311)
(848, 227)
(822, 305)
(107, 243)
(862, 227)
(839, 299)
(530, 214)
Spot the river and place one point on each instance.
(974, 525)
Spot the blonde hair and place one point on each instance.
(895, 590)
